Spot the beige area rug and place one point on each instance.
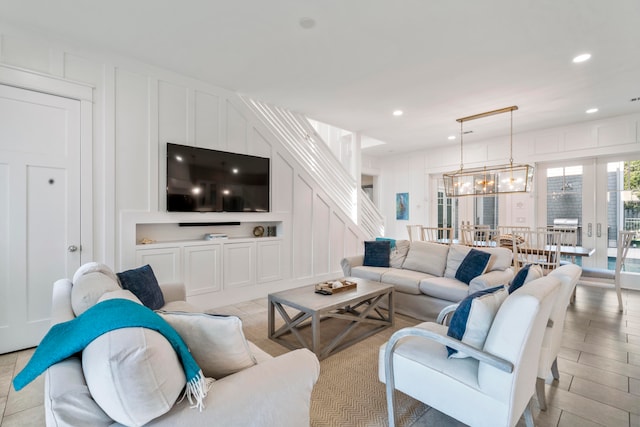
(348, 392)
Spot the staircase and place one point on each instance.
(307, 147)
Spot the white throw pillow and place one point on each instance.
(217, 343)
(472, 319)
(134, 374)
(88, 288)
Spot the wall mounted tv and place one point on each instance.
(204, 180)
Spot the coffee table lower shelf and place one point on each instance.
(354, 315)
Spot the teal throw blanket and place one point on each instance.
(65, 339)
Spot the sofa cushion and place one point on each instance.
(217, 343)
(500, 258)
(406, 281)
(143, 283)
(399, 254)
(369, 273)
(472, 319)
(88, 288)
(526, 274)
(134, 374)
(427, 257)
(120, 293)
(376, 253)
(473, 265)
(444, 288)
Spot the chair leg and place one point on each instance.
(619, 294)
(540, 394)
(528, 416)
(572, 299)
(554, 369)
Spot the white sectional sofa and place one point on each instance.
(274, 391)
(424, 275)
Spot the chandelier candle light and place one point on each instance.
(489, 180)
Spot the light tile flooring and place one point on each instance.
(599, 366)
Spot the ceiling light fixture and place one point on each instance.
(398, 113)
(486, 181)
(591, 110)
(582, 57)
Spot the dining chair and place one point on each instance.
(511, 229)
(476, 235)
(437, 234)
(537, 248)
(415, 232)
(495, 385)
(599, 275)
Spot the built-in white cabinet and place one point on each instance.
(239, 264)
(269, 261)
(214, 266)
(166, 262)
(202, 268)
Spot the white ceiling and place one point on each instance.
(437, 60)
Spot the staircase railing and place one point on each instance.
(302, 141)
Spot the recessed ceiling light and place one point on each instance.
(398, 113)
(307, 23)
(582, 57)
(591, 110)
(451, 137)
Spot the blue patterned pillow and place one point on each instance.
(473, 265)
(376, 253)
(143, 283)
(382, 239)
(472, 319)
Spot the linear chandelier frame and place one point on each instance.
(489, 180)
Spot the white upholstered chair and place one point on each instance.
(568, 275)
(495, 385)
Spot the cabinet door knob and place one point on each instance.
(72, 248)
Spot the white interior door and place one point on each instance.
(39, 208)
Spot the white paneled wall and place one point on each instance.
(138, 108)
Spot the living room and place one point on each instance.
(135, 106)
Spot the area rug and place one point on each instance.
(348, 392)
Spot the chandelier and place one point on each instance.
(489, 180)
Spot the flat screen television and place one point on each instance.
(205, 180)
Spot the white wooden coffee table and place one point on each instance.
(354, 307)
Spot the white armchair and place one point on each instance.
(568, 275)
(494, 386)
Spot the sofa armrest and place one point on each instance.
(173, 292)
(61, 310)
(275, 393)
(349, 262)
(490, 279)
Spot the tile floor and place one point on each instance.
(599, 366)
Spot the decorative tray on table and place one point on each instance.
(333, 287)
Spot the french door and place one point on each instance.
(601, 195)
(39, 208)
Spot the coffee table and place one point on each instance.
(354, 307)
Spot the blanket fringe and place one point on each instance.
(196, 390)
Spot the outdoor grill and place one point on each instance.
(567, 224)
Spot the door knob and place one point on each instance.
(72, 248)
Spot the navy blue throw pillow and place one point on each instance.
(519, 279)
(376, 253)
(143, 284)
(473, 265)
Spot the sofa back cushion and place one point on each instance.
(427, 257)
(500, 259)
(399, 253)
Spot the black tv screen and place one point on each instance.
(204, 180)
